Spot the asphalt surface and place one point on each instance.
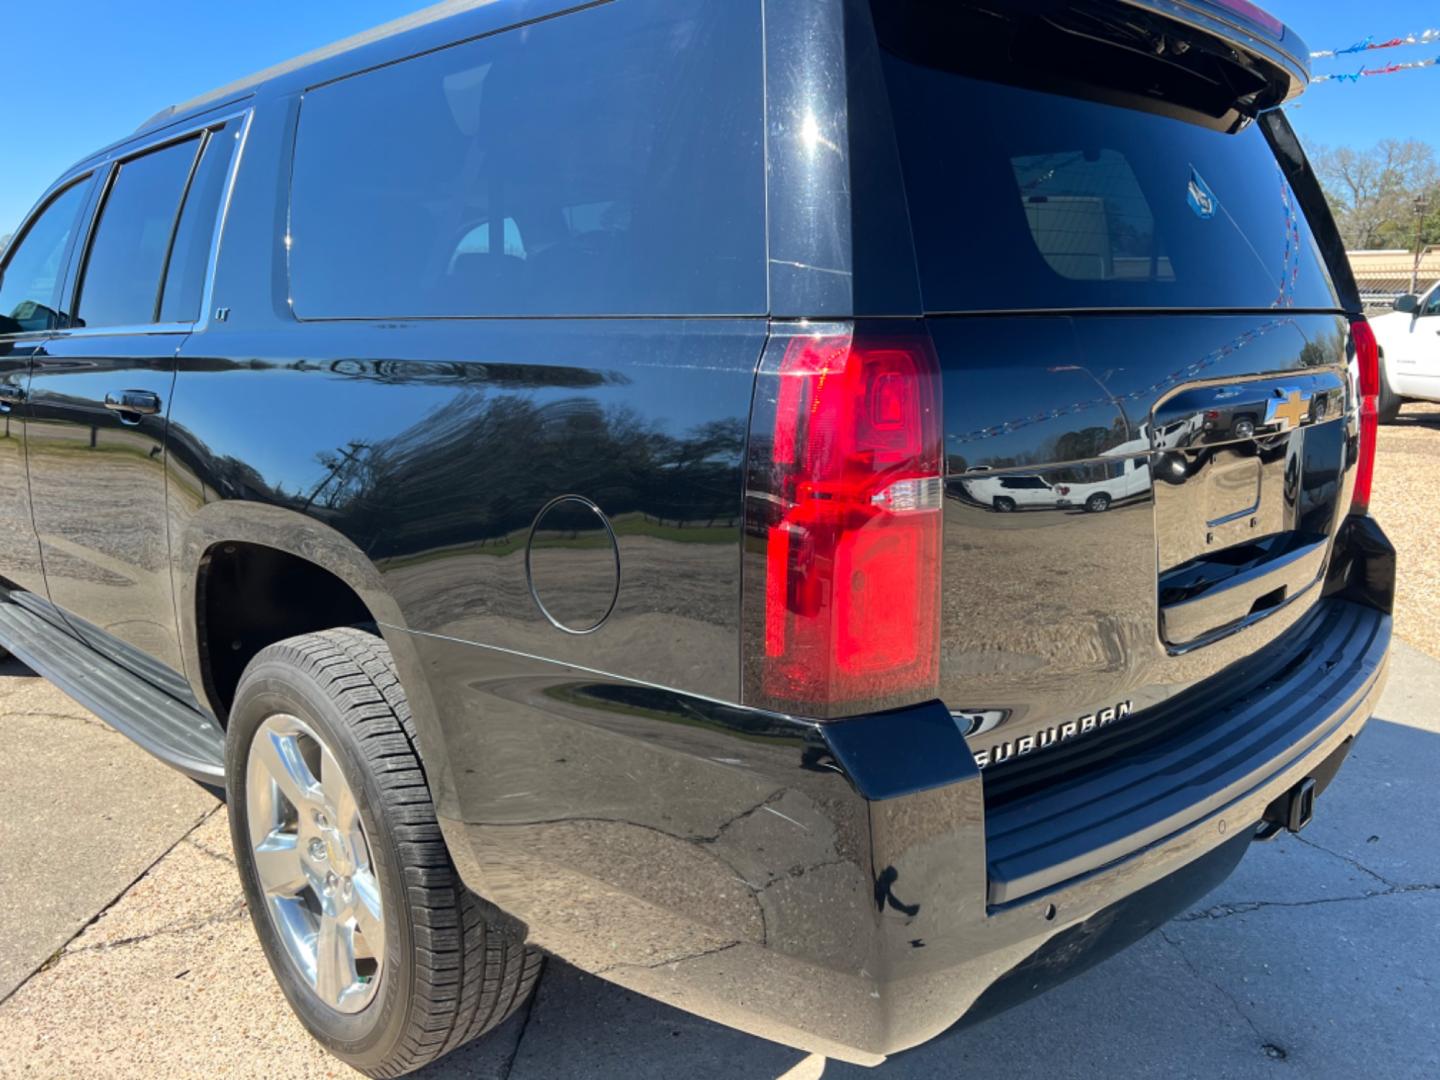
(1320, 955)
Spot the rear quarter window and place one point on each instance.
(606, 162)
(1023, 199)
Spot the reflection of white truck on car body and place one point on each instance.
(1114, 481)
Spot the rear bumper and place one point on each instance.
(853, 888)
(1101, 803)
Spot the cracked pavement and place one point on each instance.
(128, 950)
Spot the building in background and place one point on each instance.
(1384, 275)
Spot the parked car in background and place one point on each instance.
(1409, 339)
(536, 458)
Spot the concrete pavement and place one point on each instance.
(83, 812)
(1319, 955)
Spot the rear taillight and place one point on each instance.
(1367, 360)
(843, 520)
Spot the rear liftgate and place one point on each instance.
(1246, 501)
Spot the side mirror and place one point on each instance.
(1409, 303)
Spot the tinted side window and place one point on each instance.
(30, 293)
(605, 162)
(121, 281)
(1432, 306)
(190, 255)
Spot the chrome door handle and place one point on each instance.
(135, 402)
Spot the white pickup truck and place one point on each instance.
(1409, 340)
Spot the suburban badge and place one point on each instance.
(1054, 735)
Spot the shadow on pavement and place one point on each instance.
(13, 668)
(1409, 418)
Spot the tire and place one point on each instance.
(444, 968)
(1244, 428)
(1004, 504)
(1390, 402)
(1097, 503)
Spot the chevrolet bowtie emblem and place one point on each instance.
(1287, 409)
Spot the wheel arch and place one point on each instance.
(293, 537)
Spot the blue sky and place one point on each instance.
(1387, 107)
(117, 63)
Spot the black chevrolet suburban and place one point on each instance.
(526, 454)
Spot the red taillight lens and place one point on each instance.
(1367, 359)
(844, 496)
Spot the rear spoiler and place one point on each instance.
(1220, 63)
(1247, 28)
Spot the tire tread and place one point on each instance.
(469, 972)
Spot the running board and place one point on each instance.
(173, 732)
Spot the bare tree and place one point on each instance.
(1372, 192)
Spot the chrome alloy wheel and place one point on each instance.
(313, 861)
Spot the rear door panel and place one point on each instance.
(98, 399)
(97, 483)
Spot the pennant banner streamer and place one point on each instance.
(1388, 69)
(1425, 37)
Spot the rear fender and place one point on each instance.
(235, 521)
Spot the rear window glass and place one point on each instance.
(1022, 199)
(604, 162)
